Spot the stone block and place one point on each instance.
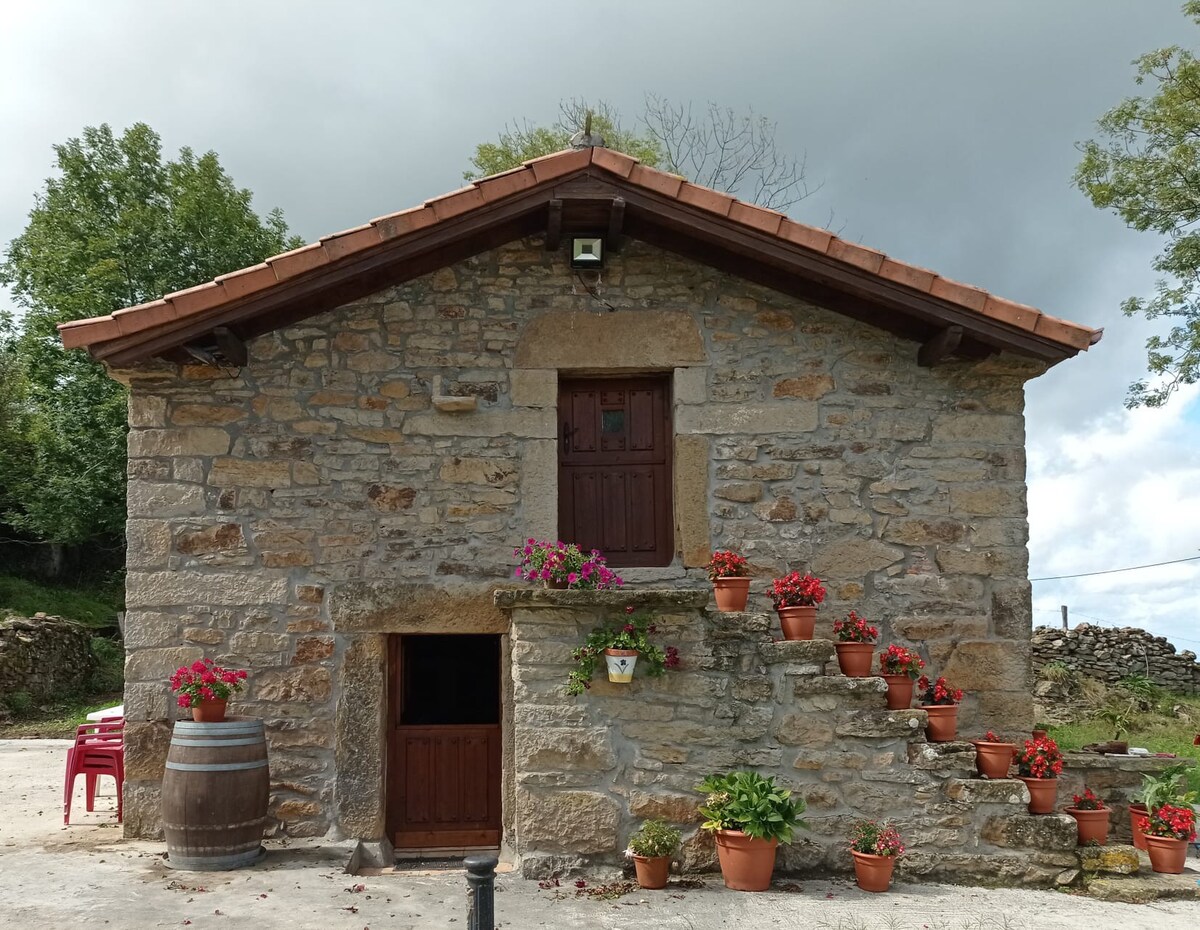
(814, 730)
(747, 418)
(883, 723)
(197, 588)
(800, 652)
(673, 808)
(142, 803)
(1056, 832)
(306, 685)
(146, 628)
(250, 473)
(146, 745)
(1115, 859)
(987, 791)
(996, 500)
(627, 339)
(206, 414)
(690, 385)
(147, 543)
(691, 463)
(983, 664)
(741, 492)
(397, 607)
(146, 410)
(159, 664)
(925, 531)
(157, 500)
(854, 557)
(548, 749)
(805, 387)
(533, 387)
(489, 472)
(573, 822)
(196, 440)
(521, 422)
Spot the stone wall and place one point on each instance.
(589, 769)
(804, 438)
(44, 657)
(1109, 654)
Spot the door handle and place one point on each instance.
(566, 436)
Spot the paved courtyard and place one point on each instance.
(54, 877)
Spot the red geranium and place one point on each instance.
(727, 565)
(796, 590)
(1041, 758)
(940, 692)
(1087, 801)
(855, 629)
(896, 660)
(1171, 821)
(204, 681)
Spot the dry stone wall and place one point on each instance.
(44, 657)
(804, 438)
(1110, 654)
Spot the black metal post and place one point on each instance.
(481, 892)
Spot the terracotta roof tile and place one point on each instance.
(610, 160)
(406, 221)
(545, 170)
(351, 241)
(1011, 312)
(919, 279)
(854, 254)
(964, 295)
(247, 281)
(808, 236)
(298, 261)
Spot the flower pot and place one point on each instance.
(1043, 792)
(942, 724)
(1093, 825)
(899, 692)
(993, 760)
(1039, 734)
(731, 593)
(874, 873)
(652, 871)
(746, 862)
(1167, 854)
(797, 622)
(556, 584)
(620, 664)
(854, 659)
(209, 711)
(1136, 813)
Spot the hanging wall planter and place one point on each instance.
(621, 643)
(620, 664)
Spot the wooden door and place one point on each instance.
(614, 480)
(444, 772)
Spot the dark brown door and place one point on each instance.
(614, 480)
(444, 772)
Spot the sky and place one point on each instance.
(939, 131)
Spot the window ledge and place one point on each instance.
(527, 598)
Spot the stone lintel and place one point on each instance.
(398, 607)
(532, 598)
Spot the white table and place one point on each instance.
(97, 715)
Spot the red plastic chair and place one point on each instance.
(99, 750)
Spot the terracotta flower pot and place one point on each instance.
(652, 871)
(1093, 825)
(1167, 854)
(873, 873)
(899, 692)
(942, 725)
(209, 711)
(1043, 792)
(1136, 813)
(620, 664)
(746, 862)
(731, 593)
(993, 760)
(556, 584)
(854, 659)
(797, 622)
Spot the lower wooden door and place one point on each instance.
(445, 758)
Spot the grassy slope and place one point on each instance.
(95, 608)
(1156, 732)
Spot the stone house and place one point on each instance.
(332, 454)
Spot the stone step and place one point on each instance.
(800, 656)
(1114, 859)
(956, 759)
(837, 692)
(1046, 832)
(1037, 869)
(1006, 791)
(1146, 886)
(884, 723)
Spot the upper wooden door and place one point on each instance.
(614, 481)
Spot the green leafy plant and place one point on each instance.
(632, 633)
(1166, 787)
(751, 803)
(653, 839)
(1119, 716)
(19, 703)
(1058, 672)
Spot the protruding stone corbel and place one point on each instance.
(451, 403)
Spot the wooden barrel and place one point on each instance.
(214, 794)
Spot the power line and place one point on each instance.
(1113, 571)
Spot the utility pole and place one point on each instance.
(1064, 613)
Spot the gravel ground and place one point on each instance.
(54, 877)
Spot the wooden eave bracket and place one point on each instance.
(616, 223)
(230, 346)
(940, 347)
(554, 224)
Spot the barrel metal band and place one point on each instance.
(188, 742)
(216, 766)
(194, 827)
(211, 728)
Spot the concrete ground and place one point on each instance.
(54, 877)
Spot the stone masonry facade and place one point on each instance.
(289, 516)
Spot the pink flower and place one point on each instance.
(572, 577)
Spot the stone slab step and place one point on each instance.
(837, 692)
(1034, 869)
(1114, 859)
(797, 651)
(876, 723)
(1047, 832)
(1149, 886)
(955, 759)
(1008, 791)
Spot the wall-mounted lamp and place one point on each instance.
(587, 252)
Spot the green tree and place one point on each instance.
(116, 226)
(1146, 168)
(713, 146)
